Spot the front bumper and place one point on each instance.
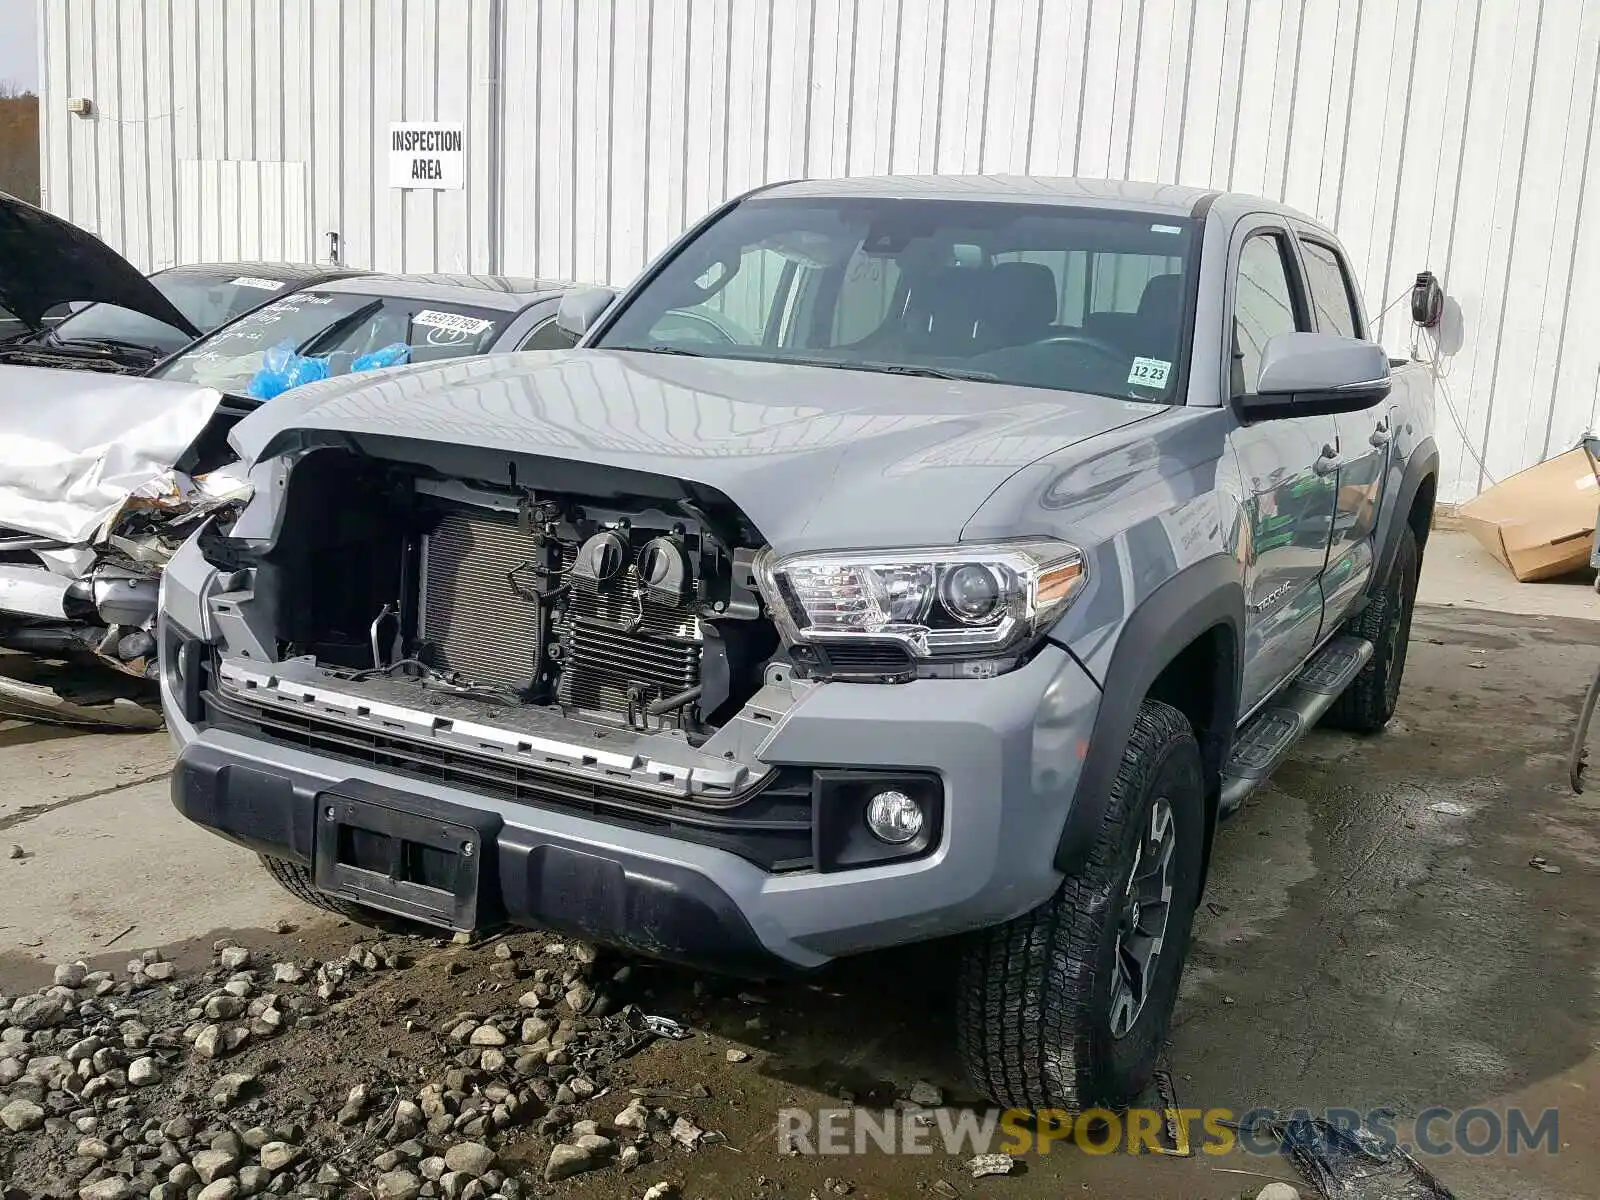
(1007, 751)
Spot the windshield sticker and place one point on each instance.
(1166, 229)
(451, 322)
(250, 281)
(1149, 372)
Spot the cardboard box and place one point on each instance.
(1539, 522)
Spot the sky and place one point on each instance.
(19, 43)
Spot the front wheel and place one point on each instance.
(1068, 1005)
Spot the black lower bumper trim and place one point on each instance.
(661, 910)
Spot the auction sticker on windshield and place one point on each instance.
(251, 281)
(453, 322)
(1149, 372)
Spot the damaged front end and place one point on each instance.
(100, 596)
(103, 479)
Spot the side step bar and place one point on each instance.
(1267, 737)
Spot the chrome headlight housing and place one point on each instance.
(973, 601)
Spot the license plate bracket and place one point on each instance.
(408, 855)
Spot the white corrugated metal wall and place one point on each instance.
(1448, 134)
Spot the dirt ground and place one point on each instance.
(1373, 936)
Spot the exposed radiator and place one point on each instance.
(614, 657)
(606, 660)
(474, 619)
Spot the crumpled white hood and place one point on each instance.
(77, 444)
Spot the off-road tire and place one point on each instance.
(1034, 998)
(296, 880)
(1368, 703)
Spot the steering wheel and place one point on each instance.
(1089, 342)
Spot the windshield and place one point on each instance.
(341, 326)
(1047, 296)
(207, 300)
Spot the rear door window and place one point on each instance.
(1332, 291)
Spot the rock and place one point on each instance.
(397, 1185)
(113, 1187)
(738, 1056)
(1278, 1191)
(275, 1156)
(183, 1177)
(242, 988)
(635, 1117)
(71, 974)
(224, 1008)
(211, 1165)
(355, 1103)
(21, 1116)
(567, 1161)
(469, 1158)
(926, 1094)
(92, 1147)
(580, 997)
(288, 972)
(229, 1088)
(990, 1164)
(503, 951)
(686, 1133)
(487, 1035)
(329, 1175)
(225, 1188)
(143, 1072)
(664, 1190)
(16, 851)
(39, 1012)
(629, 1158)
(535, 1029)
(596, 1145)
(10, 1071)
(234, 958)
(253, 1180)
(160, 972)
(210, 1043)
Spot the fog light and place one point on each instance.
(894, 817)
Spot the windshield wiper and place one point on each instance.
(924, 372)
(111, 343)
(661, 350)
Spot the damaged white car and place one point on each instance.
(102, 479)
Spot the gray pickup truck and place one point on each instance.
(896, 559)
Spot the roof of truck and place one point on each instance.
(1121, 194)
(506, 293)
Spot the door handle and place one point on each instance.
(1381, 436)
(1327, 462)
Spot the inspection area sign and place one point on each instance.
(427, 156)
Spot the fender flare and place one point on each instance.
(1422, 462)
(1188, 604)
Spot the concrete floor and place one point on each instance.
(1373, 934)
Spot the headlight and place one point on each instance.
(970, 601)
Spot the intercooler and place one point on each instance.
(612, 652)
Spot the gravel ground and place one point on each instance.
(1373, 934)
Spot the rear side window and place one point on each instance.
(1263, 306)
(1332, 293)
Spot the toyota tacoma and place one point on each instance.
(896, 559)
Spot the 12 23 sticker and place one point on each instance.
(1149, 372)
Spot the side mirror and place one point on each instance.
(1310, 374)
(579, 310)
